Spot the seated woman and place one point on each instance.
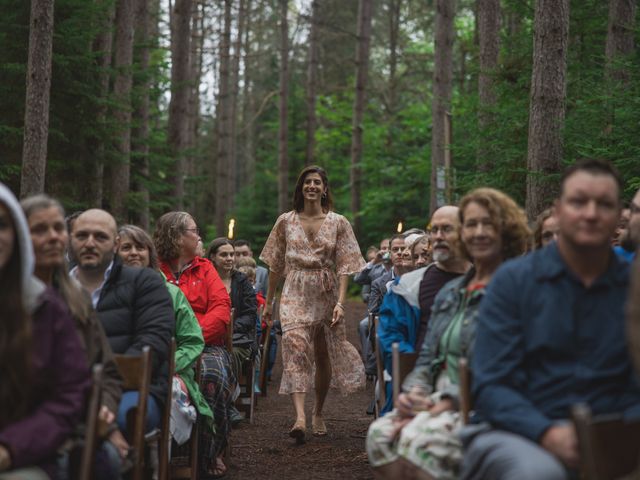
(176, 239)
(50, 240)
(136, 249)
(243, 301)
(418, 438)
(44, 375)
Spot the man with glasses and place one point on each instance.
(407, 306)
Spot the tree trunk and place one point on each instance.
(312, 80)
(248, 107)
(620, 32)
(222, 166)
(140, 140)
(283, 159)
(365, 13)
(178, 107)
(123, 58)
(442, 86)
(394, 30)
(488, 21)
(233, 120)
(103, 45)
(547, 108)
(36, 117)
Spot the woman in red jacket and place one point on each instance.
(176, 238)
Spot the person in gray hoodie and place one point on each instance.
(44, 375)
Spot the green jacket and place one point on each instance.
(190, 343)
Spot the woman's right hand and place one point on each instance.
(267, 316)
(416, 400)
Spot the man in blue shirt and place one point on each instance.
(551, 334)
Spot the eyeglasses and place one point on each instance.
(195, 230)
(444, 229)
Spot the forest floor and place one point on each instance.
(265, 450)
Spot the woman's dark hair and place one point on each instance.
(141, 239)
(215, 244)
(15, 340)
(298, 200)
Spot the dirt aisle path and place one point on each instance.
(264, 449)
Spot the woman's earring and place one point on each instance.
(324, 194)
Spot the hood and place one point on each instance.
(408, 286)
(31, 287)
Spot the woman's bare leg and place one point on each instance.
(322, 380)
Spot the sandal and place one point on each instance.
(318, 428)
(298, 432)
(219, 471)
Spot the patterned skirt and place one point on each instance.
(218, 384)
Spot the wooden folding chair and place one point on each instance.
(136, 375)
(184, 463)
(609, 446)
(401, 364)
(91, 426)
(382, 393)
(264, 361)
(466, 401)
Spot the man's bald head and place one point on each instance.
(448, 212)
(94, 240)
(99, 215)
(445, 236)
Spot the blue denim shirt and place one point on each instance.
(545, 342)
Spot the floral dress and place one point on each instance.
(311, 267)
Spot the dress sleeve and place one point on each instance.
(348, 257)
(273, 253)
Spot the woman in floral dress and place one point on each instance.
(315, 251)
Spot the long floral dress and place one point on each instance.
(311, 267)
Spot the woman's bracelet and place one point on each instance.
(338, 304)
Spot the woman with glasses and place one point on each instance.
(176, 239)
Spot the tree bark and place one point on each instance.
(312, 80)
(394, 31)
(442, 86)
(36, 118)
(248, 107)
(620, 32)
(222, 166)
(103, 45)
(547, 107)
(123, 59)
(233, 120)
(178, 124)
(488, 21)
(140, 139)
(365, 14)
(283, 158)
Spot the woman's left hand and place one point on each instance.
(442, 406)
(338, 314)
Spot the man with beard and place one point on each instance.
(133, 305)
(405, 311)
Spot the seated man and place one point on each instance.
(406, 308)
(133, 305)
(550, 334)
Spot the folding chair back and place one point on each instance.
(401, 364)
(164, 436)
(609, 445)
(91, 426)
(382, 392)
(136, 375)
(466, 402)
